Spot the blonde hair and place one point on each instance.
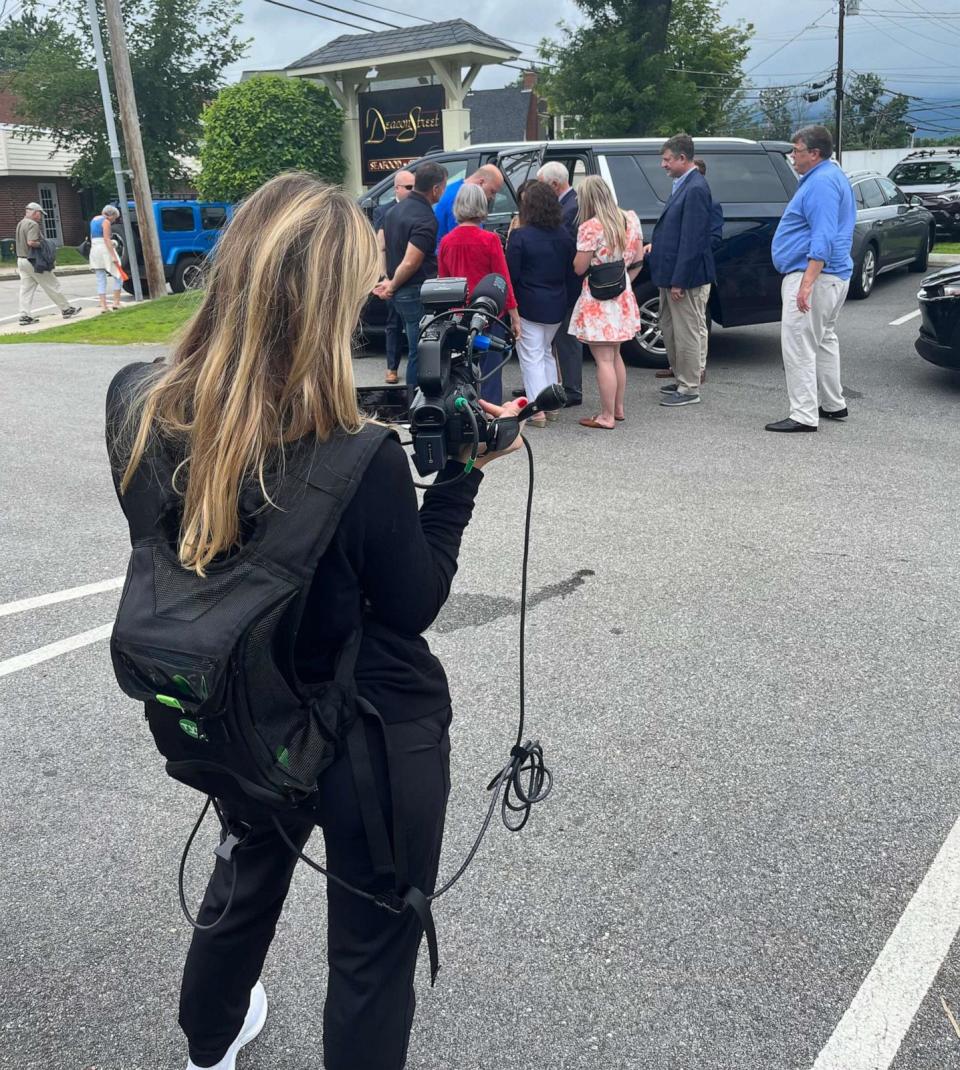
(266, 360)
(595, 199)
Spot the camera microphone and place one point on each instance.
(550, 398)
(490, 295)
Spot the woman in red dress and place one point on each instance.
(471, 252)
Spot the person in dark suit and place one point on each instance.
(681, 265)
(540, 256)
(567, 348)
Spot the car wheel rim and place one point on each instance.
(868, 271)
(650, 337)
(193, 277)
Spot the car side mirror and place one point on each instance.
(915, 201)
(367, 204)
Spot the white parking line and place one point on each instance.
(54, 650)
(66, 595)
(869, 1035)
(903, 319)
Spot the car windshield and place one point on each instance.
(926, 173)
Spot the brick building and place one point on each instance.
(36, 171)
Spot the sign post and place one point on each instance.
(397, 126)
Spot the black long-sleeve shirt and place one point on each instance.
(401, 562)
(389, 566)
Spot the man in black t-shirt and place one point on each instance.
(410, 240)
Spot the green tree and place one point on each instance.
(178, 52)
(257, 129)
(646, 69)
(873, 117)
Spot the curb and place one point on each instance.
(6, 275)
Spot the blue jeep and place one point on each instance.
(188, 231)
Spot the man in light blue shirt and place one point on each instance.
(811, 249)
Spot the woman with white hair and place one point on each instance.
(103, 255)
(471, 252)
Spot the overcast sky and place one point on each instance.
(913, 52)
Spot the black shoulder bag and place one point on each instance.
(607, 281)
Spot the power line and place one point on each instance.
(356, 14)
(317, 15)
(798, 34)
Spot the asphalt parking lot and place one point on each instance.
(743, 666)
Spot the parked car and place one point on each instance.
(892, 230)
(753, 180)
(939, 298)
(934, 176)
(188, 231)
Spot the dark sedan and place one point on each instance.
(939, 297)
(892, 231)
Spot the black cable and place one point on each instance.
(183, 863)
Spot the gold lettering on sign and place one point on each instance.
(403, 130)
(377, 126)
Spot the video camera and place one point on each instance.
(445, 414)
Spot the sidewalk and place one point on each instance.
(8, 273)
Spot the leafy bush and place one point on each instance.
(269, 124)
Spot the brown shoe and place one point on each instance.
(667, 373)
(391, 377)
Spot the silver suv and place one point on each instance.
(934, 176)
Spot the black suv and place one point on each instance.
(753, 180)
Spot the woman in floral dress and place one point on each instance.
(606, 233)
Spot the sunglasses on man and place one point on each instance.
(407, 188)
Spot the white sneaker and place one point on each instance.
(252, 1024)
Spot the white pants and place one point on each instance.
(811, 349)
(537, 364)
(30, 280)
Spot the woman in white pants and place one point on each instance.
(103, 255)
(540, 254)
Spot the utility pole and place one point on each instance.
(838, 102)
(131, 245)
(130, 121)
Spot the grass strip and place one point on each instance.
(151, 321)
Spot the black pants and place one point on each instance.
(372, 954)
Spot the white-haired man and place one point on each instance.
(566, 348)
(29, 238)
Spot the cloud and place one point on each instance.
(793, 44)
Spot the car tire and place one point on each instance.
(188, 274)
(864, 274)
(922, 262)
(646, 349)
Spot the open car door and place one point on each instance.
(516, 165)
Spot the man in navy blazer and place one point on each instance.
(681, 265)
(567, 348)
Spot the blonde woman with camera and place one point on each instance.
(266, 365)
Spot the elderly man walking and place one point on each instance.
(681, 265)
(566, 347)
(29, 239)
(811, 249)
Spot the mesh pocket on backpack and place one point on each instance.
(183, 595)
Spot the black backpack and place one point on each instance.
(212, 658)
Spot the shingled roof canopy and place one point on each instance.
(457, 35)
